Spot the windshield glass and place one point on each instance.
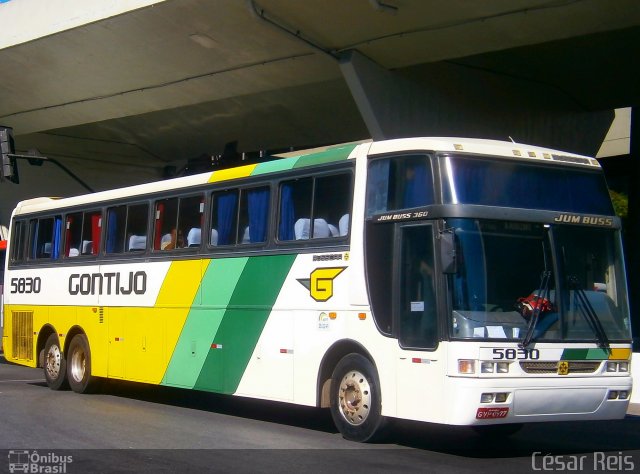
(511, 183)
(509, 271)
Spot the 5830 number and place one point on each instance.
(26, 285)
(512, 354)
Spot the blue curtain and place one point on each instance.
(287, 213)
(378, 187)
(112, 231)
(258, 214)
(227, 205)
(523, 186)
(34, 245)
(57, 238)
(416, 189)
(470, 282)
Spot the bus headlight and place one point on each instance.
(503, 367)
(487, 367)
(613, 366)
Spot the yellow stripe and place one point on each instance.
(232, 173)
(620, 354)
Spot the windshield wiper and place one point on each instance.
(587, 311)
(537, 305)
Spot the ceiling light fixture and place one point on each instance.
(203, 40)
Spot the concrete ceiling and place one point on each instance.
(169, 82)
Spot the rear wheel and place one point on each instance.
(79, 365)
(355, 399)
(55, 365)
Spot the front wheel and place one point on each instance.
(55, 365)
(79, 365)
(356, 404)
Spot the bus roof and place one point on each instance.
(318, 156)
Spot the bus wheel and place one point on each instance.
(355, 399)
(79, 365)
(55, 365)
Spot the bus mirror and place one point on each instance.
(448, 252)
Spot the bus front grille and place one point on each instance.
(22, 334)
(575, 367)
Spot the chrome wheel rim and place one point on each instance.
(53, 362)
(78, 364)
(354, 398)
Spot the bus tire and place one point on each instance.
(55, 364)
(79, 365)
(356, 403)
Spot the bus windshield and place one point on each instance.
(510, 183)
(568, 278)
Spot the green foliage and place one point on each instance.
(620, 203)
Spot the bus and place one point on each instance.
(446, 280)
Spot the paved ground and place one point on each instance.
(142, 428)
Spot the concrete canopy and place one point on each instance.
(161, 84)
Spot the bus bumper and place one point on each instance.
(492, 401)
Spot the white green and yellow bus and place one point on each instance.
(446, 280)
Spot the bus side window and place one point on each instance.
(190, 221)
(224, 217)
(254, 215)
(44, 238)
(165, 230)
(295, 209)
(116, 218)
(73, 234)
(331, 204)
(82, 233)
(137, 216)
(330, 196)
(18, 242)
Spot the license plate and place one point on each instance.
(490, 413)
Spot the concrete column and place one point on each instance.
(446, 99)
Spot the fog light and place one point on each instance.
(612, 366)
(486, 398)
(486, 367)
(501, 397)
(503, 367)
(623, 366)
(623, 394)
(466, 366)
(613, 394)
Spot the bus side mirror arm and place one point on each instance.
(448, 257)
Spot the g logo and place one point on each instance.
(320, 282)
(563, 367)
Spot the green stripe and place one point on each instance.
(275, 165)
(584, 354)
(328, 156)
(203, 322)
(243, 321)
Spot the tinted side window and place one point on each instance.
(82, 233)
(18, 241)
(314, 207)
(399, 183)
(240, 216)
(177, 223)
(44, 238)
(127, 228)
